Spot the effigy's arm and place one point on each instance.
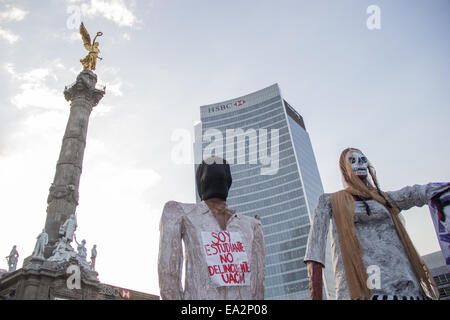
(416, 195)
(316, 246)
(315, 279)
(258, 262)
(170, 257)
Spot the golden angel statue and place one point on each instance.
(90, 60)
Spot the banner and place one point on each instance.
(226, 258)
(440, 214)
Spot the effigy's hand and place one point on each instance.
(315, 280)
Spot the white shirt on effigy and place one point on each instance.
(186, 222)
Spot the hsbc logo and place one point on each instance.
(114, 291)
(227, 106)
(125, 294)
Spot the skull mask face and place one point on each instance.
(358, 163)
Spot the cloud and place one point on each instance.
(12, 14)
(112, 81)
(114, 10)
(8, 35)
(101, 110)
(67, 36)
(37, 93)
(34, 91)
(74, 36)
(114, 88)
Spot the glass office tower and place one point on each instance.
(275, 176)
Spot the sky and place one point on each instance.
(385, 91)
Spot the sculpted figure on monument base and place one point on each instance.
(67, 230)
(63, 251)
(93, 257)
(81, 248)
(42, 241)
(12, 259)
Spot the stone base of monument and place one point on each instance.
(41, 279)
(50, 282)
(32, 261)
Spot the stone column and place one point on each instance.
(63, 196)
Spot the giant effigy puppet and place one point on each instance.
(368, 240)
(224, 250)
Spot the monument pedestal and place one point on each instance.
(32, 261)
(48, 280)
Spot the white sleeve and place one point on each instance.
(415, 196)
(170, 257)
(316, 246)
(258, 257)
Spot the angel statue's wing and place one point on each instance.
(86, 37)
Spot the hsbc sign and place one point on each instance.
(239, 103)
(227, 106)
(116, 292)
(125, 294)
